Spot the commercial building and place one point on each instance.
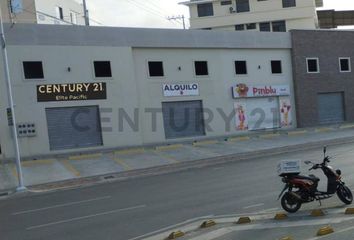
(323, 76)
(254, 15)
(78, 88)
(43, 11)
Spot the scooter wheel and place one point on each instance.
(344, 194)
(289, 203)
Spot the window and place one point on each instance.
(251, 26)
(276, 66)
(239, 27)
(205, 9)
(279, 26)
(73, 17)
(33, 70)
(226, 2)
(242, 6)
(102, 69)
(156, 69)
(59, 12)
(240, 67)
(312, 65)
(344, 65)
(289, 3)
(201, 68)
(264, 26)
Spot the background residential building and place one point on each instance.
(256, 15)
(43, 11)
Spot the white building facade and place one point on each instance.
(253, 15)
(43, 11)
(82, 89)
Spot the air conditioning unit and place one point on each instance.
(232, 10)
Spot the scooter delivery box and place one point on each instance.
(287, 167)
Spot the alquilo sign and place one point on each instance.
(242, 91)
(178, 90)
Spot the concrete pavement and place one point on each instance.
(130, 162)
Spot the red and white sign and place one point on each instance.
(179, 90)
(243, 91)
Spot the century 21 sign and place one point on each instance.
(71, 92)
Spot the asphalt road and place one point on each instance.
(129, 209)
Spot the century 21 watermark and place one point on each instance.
(180, 119)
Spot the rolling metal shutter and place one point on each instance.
(73, 127)
(263, 113)
(183, 119)
(330, 108)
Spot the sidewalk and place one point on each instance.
(75, 170)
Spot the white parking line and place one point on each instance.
(61, 205)
(84, 217)
(253, 206)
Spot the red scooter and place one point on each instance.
(303, 189)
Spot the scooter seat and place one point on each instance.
(310, 177)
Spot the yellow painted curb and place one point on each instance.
(168, 147)
(271, 135)
(37, 162)
(122, 163)
(280, 216)
(349, 211)
(175, 235)
(296, 133)
(208, 223)
(286, 238)
(323, 130)
(85, 156)
(236, 139)
(317, 213)
(243, 220)
(204, 143)
(70, 168)
(325, 230)
(346, 126)
(130, 151)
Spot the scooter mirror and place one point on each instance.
(324, 150)
(307, 162)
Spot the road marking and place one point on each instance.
(168, 147)
(37, 162)
(61, 205)
(169, 158)
(202, 143)
(85, 156)
(130, 151)
(84, 217)
(122, 163)
(253, 206)
(70, 168)
(269, 210)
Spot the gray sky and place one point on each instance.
(153, 13)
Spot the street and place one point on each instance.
(133, 208)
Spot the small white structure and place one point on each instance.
(254, 15)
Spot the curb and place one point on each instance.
(175, 167)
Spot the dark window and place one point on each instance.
(156, 69)
(264, 26)
(226, 2)
(102, 68)
(205, 9)
(279, 26)
(201, 68)
(33, 70)
(276, 66)
(242, 6)
(312, 65)
(289, 3)
(60, 12)
(239, 27)
(344, 64)
(251, 26)
(240, 67)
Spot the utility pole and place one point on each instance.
(87, 20)
(21, 186)
(179, 17)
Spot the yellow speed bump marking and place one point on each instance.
(236, 139)
(280, 216)
(201, 143)
(175, 235)
(349, 211)
(325, 230)
(37, 162)
(295, 133)
(130, 151)
(271, 135)
(317, 213)
(286, 238)
(85, 156)
(168, 147)
(208, 223)
(243, 220)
